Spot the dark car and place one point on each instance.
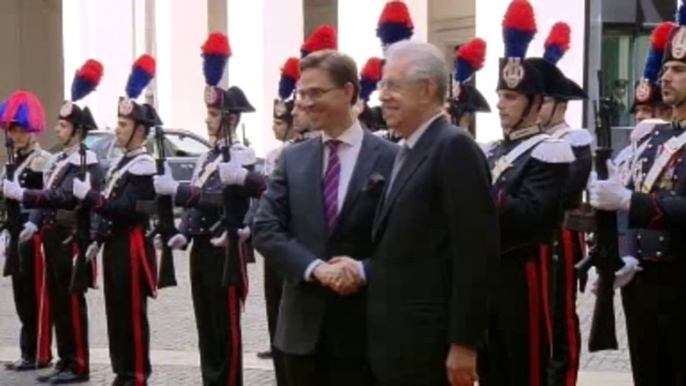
(182, 148)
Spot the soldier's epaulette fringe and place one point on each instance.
(553, 151)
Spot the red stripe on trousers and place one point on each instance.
(234, 332)
(534, 324)
(78, 341)
(544, 256)
(570, 308)
(135, 251)
(76, 323)
(43, 302)
(137, 240)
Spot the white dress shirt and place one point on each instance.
(348, 152)
(414, 138)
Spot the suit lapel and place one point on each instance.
(369, 154)
(416, 157)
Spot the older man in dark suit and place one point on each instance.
(436, 234)
(319, 206)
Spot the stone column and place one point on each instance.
(263, 33)
(32, 55)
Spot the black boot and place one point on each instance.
(67, 377)
(267, 354)
(59, 368)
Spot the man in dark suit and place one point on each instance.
(319, 206)
(436, 234)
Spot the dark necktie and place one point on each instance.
(398, 164)
(332, 177)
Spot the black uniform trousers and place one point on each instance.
(129, 278)
(655, 320)
(69, 310)
(564, 366)
(273, 289)
(217, 315)
(518, 349)
(32, 303)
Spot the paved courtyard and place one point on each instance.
(174, 343)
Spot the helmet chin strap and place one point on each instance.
(133, 132)
(28, 146)
(525, 113)
(552, 115)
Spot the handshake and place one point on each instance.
(341, 274)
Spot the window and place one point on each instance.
(181, 145)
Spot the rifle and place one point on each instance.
(13, 213)
(229, 221)
(246, 141)
(165, 219)
(79, 273)
(605, 256)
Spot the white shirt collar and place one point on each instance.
(351, 136)
(136, 151)
(560, 126)
(414, 138)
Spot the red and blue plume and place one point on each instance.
(215, 53)
(557, 43)
(142, 73)
(519, 28)
(658, 44)
(395, 23)
(470, 59)
(681, 15)
(87, 78)
(24, 109)
(370, 77)
(323, 38)
(290, 73)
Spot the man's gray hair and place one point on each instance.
(426, 63)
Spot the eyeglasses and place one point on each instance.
(314, 93)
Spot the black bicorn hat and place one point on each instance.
(519, 28)
(86, 79)
(465, 97)
(141, 75)
(283, 106)
(647, 90)
(675, 45)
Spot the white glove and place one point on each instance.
(165, 185)
(611, 194)
(81, 188)
(624, 275)
(232, 173)
(244, 234)
(157, 242)
(221, 241)
(28, 231)
(92, 251)
(12, 190)
(177, 241)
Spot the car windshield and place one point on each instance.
(182, 145)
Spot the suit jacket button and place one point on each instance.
(639, 251)
(658, 254)
(638, 237)
(662, 238)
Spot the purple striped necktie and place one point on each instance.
(332, 177)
